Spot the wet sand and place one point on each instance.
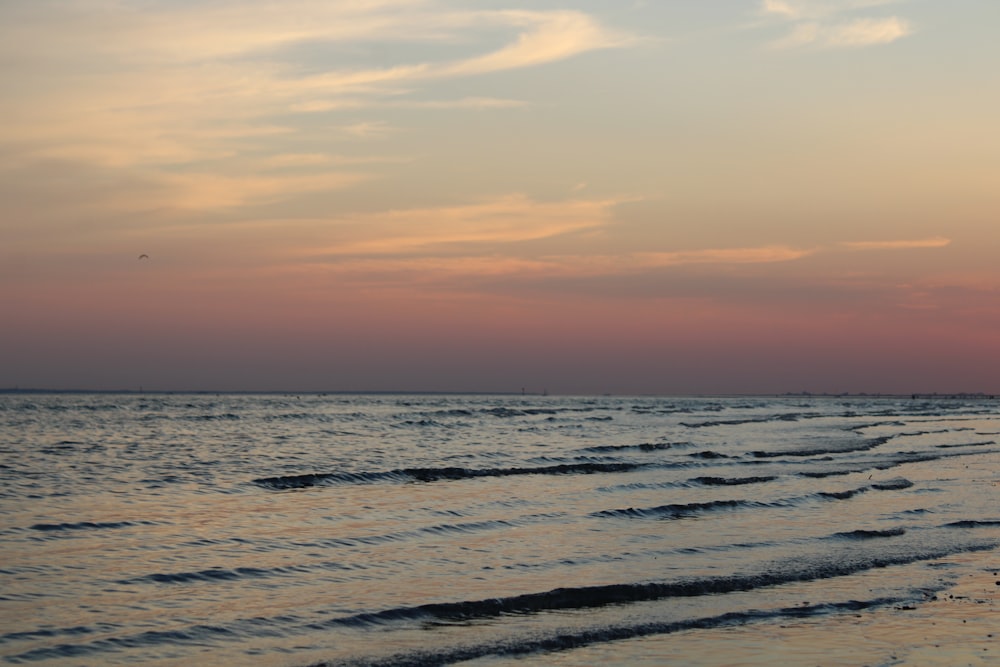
(960, 626)
(955, 627)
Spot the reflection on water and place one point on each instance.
(291, 530)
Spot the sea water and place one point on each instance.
(176, 529)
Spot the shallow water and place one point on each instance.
(294, 530)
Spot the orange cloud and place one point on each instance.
(510, 219)
(753, 255)
(551, 36)
(865, 32)
(173, 68)
(934, 242)
(208, 191)
(824, 24)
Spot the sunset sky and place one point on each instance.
(599, 196)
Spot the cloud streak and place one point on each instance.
(493, 239)
(818, 9)
(751, 255)
(433, 231)
(545, 37)
(867, 32)
(833, 25)
(155, 85)
(906, 244)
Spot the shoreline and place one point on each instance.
(957, 625)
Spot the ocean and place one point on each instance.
(285, 530)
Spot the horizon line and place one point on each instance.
(545, 393)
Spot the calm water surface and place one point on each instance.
(296, 530)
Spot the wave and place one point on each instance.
(213, 574)
(841, 495)
(48, 633)
(786, 417)
(732, 481)
(893, 461)
(985, 443)
(189, 635)
(846, 563)
(709, 454)
(225, 416)
(348, 542)
(896, 483)
(642, 447)
(452, 412)
(571, 639)
(871, 534)
(683, 510)
(286, 482)
(522, 412)
(563, 640)
(88, 525)
(901, 458)
(307, 480)
(219, 574)
(438, 529)
(861, 447)
(968, 523)
(819, 474)
(420, 422)
(589, 597)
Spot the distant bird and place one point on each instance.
(143, 256)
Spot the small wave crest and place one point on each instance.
(820, 451)
(87, 525)
(437, 474)
(870, 534)
(708, 454)
(642, 447)
(679, 510)
(896, 483)
(732, 481)
(968, 523)
(785, 417)
(573, 639)
(984, 443)
(683, 510)
(586, 597)
(213, 574)
(841, 495)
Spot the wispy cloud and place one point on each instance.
(782, 8)
(432, 231)
(289, 161)
(346, 104)
(545, 37)
(500, 237)
(207, 191)
(866, 32)
(463, 103)
(905, 244)
(150, 85)
(834, 24)
(856, 33)
(469, 242)
(368, 130)
(818, 9)
(751, 255)
(404, 262)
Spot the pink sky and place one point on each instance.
(419, 195)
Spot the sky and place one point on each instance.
(589, 197)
